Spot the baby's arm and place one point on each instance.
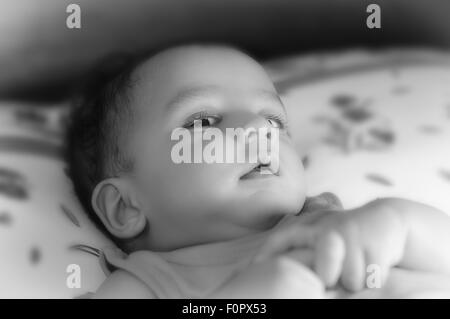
(122, 285)
(387, 232)
(427, 246)
(279, 277)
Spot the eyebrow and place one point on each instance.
(271, 96)
(193, 93)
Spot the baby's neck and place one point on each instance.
(145, 242)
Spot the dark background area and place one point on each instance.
(41, 59)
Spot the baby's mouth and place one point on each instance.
(260, 171)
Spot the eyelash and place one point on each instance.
(189, 123)
(280, 119)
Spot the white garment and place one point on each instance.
(192, 272)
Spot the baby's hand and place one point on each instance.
(344, 243)
(278, 277)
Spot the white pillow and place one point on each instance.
(372, 124)
(41, 222)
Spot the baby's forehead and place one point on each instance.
(200, 72)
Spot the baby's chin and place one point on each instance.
(264, 210)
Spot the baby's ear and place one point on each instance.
(115, 204)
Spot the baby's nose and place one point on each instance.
(258, 136)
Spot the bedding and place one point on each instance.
(367, 124)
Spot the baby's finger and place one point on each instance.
(320, 216)
(377, 270)
(311, 219)
(304, 256)
(353, 272)
(329, 257)
(324, 201)
(283, 240)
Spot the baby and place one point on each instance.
(222, 230)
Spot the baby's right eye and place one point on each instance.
(204, 120)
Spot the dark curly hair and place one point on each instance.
(97, 124)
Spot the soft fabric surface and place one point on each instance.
(372, 124)
(366, 124)
(41, 222)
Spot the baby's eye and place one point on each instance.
(209, 121)
(275, 123)
(203, 120)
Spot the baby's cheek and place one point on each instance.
(296, 192)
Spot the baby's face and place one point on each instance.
(194, 203)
